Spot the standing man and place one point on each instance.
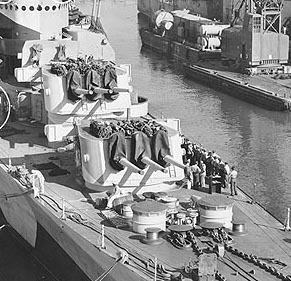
(196, 172)
(210, 170)
(202, 174)
(227, 172)
(222, 174)
(188, 174)
(232, 178)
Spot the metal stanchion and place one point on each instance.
(287, 223)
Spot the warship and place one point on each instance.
(246, 57)
(90, 176)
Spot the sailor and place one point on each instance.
(217, 164)
(203, 155)
(197, 153)
(188, 146)
(189, 150)
(196, 172)
(227, 172)
(202, 174)
(222, 174)
(188, 174)
(210, 170)
(232, 179)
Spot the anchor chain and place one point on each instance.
(190, 237)
(256, 261)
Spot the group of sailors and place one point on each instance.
(203, 167)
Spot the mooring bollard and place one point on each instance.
(102, 236)
(63, 217)
(287, 223)
(255, 190)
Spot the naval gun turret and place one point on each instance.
(82, 94)
(137, 154)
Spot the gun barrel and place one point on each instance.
(123, 161)
(98, 90)
(117, 89)
(171, 160)
(81, 91)
(152, 163)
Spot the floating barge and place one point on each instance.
(251, 65)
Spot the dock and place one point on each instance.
(260, 90)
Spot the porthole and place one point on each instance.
(6, 7)
(39, 7)
(31, 8)
(11, 7)
(54, 7)
(16, 7)
(23, 8)
(47, 8)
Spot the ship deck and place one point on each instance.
(265, 236)
(276, 86)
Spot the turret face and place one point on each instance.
(33, 19)
(134, 154)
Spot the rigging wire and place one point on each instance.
(105, 273)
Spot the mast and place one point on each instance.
(96, 10)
